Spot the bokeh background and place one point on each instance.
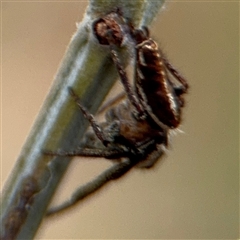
(194, 191)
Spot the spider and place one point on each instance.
(138, 127)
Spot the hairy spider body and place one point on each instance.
(125, 136)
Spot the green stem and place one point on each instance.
(88, 69)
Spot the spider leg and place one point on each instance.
(126, 83)
(108, 153)
(111, 102)
(96, 127)
(180, 89)
(113, 173)
(184, 85)
(152, 158)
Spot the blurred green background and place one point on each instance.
(194, 191)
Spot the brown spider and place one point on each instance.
(138, 127)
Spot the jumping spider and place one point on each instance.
(138, 127)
